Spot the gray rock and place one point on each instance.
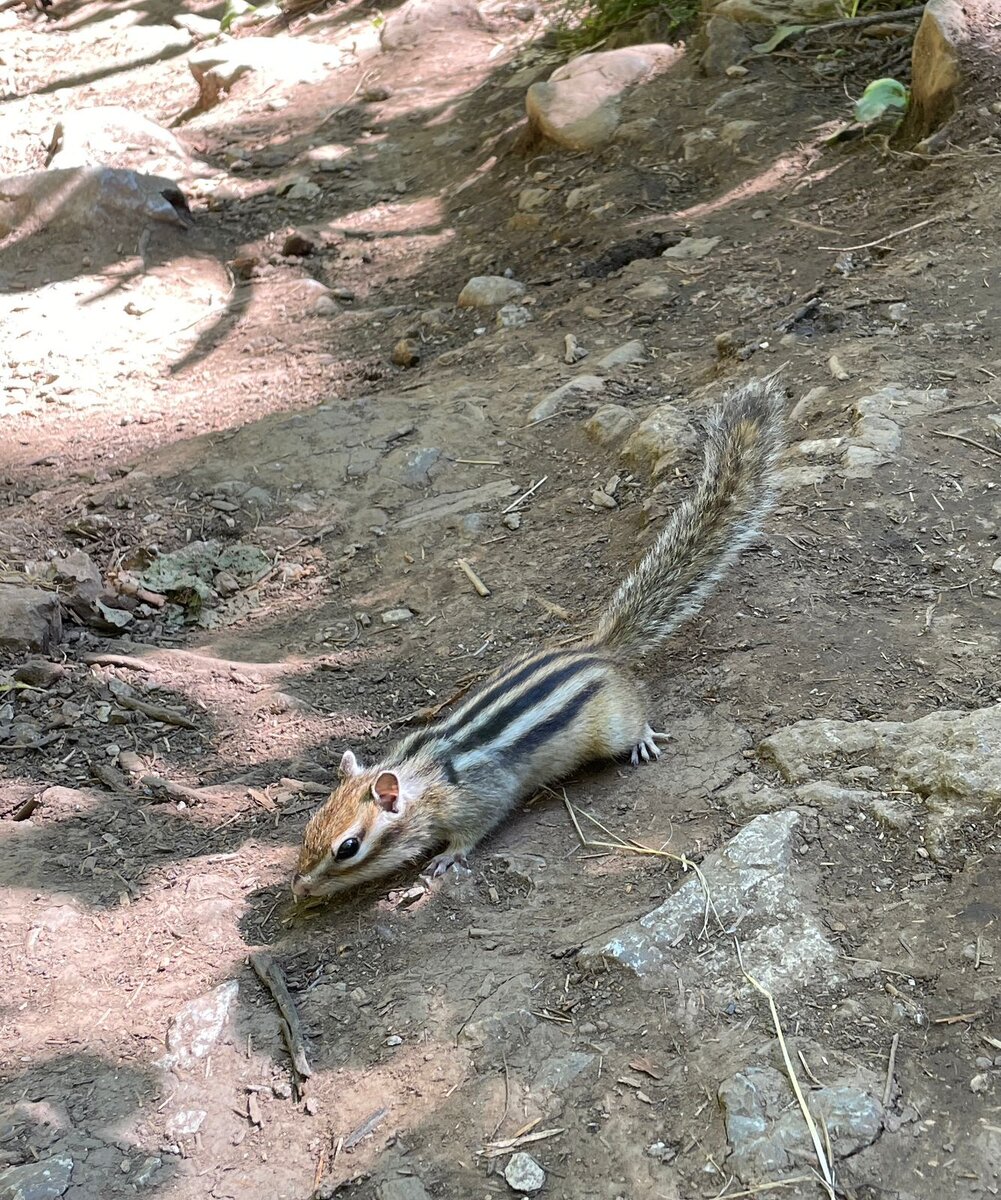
(493, 1038)
(580, 105)
(748, 797)
(723, 44)
(628, 354)
(40, 673)
(524, 1174)
(513, 316)
(878, 419)
(560, 1070)
(943, 56)
(113, 136)
(766, 1129)
(566, 396)
(694, 144)
(489, 291)
(754, 875)
(278, 59)
(417, 465)
(147, 1171)
(405, 1187)
(46, 1179)
(79, 581)
(185, 1122)
(198, 27)
(609, 424)
(690, 248)
(397, 616)
(417, 22)
(734, 133)
(452, 504)
(530, 199)
(659, 287)
(30, 618)
(198, 1026)
(950, 760)
(303, 189)
(661, 439)
(84, 198)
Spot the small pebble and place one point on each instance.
(512, 520)
(394, 1039)
(524, 1174)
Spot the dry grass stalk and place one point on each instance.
(826, 1172)
(630, 845)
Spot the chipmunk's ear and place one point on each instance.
(349, 765)
(387, 793)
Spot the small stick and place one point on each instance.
(156, 712)
(958, 437)
(888, 238)
(822, 1159)
(474, 579)
(758, 1189)
(496, 1149)
(902, 14)
(129, 587)
(271, 976)
(891, 1063)
(806, 1067)
(175, 791)
(479, 462)
(117, 660)
(524, 496)
(369, 1125)
(306, 786)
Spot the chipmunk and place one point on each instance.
(543, 716)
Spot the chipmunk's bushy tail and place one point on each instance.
(705, 534)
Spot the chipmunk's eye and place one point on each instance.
(347, 849)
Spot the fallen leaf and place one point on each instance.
(262, 798)
(645, 1067)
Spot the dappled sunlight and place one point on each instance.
(789, 171)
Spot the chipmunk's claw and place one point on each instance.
(646, 749)
(445, 862)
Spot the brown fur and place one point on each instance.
(591, 694)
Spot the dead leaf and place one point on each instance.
(262, 798)
(645, 1067)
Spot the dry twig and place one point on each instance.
(958, 437)
(156, 712)
(826, 1172)
(271, 976)
(474, 579)
(887, 238)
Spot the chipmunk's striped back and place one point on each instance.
(542, 717)
(521, 712)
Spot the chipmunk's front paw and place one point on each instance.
(450, 860)
(646, 749)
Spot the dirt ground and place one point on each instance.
(192, 387)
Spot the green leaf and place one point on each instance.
(882, 96)
(781, 34)
(234, 9)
